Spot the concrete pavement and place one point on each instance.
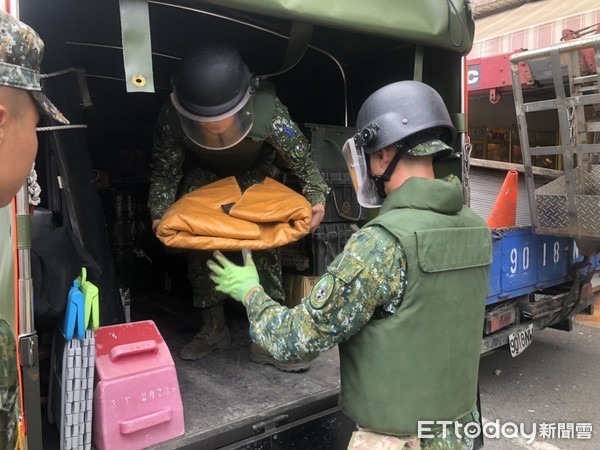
(554, 382)
(592, 320)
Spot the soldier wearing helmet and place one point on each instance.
(21, 103)
(405, 299)
(219, 121)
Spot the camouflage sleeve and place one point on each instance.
(367, 277)
(9, 387)
(167, 160)
(294, 150)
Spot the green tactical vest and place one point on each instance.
(241, 157)
(422, 362)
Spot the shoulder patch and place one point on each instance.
(300, 147)
(319, 296)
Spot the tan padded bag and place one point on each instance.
(266, 215)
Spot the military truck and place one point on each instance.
(108, 66)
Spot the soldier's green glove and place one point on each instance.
(231, 279)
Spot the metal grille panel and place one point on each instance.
(552, 203)
(570, 205)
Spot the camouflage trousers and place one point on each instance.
(363, 439)
(268, 262)
(9, 388)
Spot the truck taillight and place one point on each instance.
(496, 320)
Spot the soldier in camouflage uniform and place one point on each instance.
(405, 298)
(221, 121)
(21, 103)
(9, 387)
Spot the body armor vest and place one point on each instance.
(422, 362)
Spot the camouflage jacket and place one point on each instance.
(367, 279)
(9, 387)
(9, 382)
(290, 145)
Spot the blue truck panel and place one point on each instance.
(523, 262)
(518, 256)
(495, 287)
(554, 259)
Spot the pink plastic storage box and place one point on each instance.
(137, 402)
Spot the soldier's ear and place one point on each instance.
(3, 120)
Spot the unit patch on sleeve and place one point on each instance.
(319, 296)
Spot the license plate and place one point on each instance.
(520, 340)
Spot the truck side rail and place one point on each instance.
(524, 262)
(567, 206)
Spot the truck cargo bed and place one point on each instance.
(224, 395)
(231, 402)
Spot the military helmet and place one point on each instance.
(213, 96)
(212, 80)
(410, 114)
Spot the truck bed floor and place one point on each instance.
(225, 393)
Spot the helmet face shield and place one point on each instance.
(366, 190)
(218, 132)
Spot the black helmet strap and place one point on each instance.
(379, 180)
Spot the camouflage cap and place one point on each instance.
(21, 52)
(430, 147)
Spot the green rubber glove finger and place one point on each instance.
(233, 280)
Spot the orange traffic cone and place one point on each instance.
(504, 212)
